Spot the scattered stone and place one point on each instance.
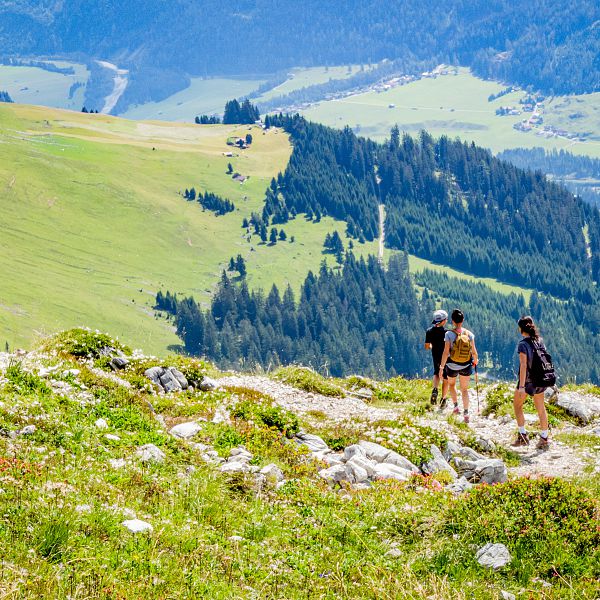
(507, 595)
(181, 379)
(272, 473)
(489, 471)
(150, 453)
(137, 526)
(101, 424)
(234, 467)
(354, 450)
(364, 463)
(381, 454)
(235, 538)
(185, 431)
(583, 406)
(111, 437)
(118, 362)
(389, 471)
(332, 459)
(493, 556)
(459, 486)
(169, 382)
(28, 430)
(394, 553)
(313, 442)
(334, 474)
(117, 463)
(438, 464)
(221, 415)
(207, 384)
(356, 473)
(454, 450)
(485, 444)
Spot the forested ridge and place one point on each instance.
(447, 201)
(552, 45)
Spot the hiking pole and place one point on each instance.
(477, 388)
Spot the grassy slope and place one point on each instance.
(203, 96)
(300, 78)
(31, 85)
(456, 105)
(92, 224)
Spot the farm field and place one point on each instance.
(457, 105)
(93, 224)
(305, 77)
(203, 96)
(32, 85)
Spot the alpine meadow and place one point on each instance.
(299, 300)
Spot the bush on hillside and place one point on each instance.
(82, 342)
(308, 380)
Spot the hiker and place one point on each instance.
(458, 359)
(434, 341)
(536, 374)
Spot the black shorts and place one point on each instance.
(467, 371)
(532, 390)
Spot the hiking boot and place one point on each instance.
(434, 396)
(466, 418)
(443, 403)
(543, 443)
(522, 440)
(456, 410)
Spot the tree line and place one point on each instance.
(209, 201)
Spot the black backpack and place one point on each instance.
(541, 371)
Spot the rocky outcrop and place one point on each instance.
(585, 407)
(489, 471)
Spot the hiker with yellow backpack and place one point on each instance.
(458, 360)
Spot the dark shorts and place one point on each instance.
(532, 390)
(467, 371)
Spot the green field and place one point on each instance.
(203, 96)
(304, 77)
(93, 225)
(457, 105)
(31, 85)
(417, 265)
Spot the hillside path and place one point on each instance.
(560, 460)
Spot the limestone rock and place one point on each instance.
(207, 384)
(381, 454)
(111, 437)
(364, 463)
(389, 471)
(583, 406)
(101, 424)
(489, 471)
(272, 473)
(438, 464)
(354, 450)
(507, 595)
(234, 467)
(28, 430)
(494, 556)
(332, 459)
(454, 450)
(169, 382)
(137, 526)
(459, 486)
(180, 377)
(313, 442)
(334, 474)
(356, 473)
(485, 444)
(153, 374)
(185, 431)
(150, 453)
(118, 362)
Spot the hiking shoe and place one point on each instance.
(434, 396)
(443, 403)
(466, 418)
(543, 443)
(522, 440)
(456, 410)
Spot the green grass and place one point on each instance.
(94, 226)
(418, 265)
(31, 85)
(63, 505)
(457, 105)
(308, 380)
(304, 77)
(203, 96)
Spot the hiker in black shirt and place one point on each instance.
(434, 341)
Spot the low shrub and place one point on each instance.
(259, 408)
(308, 380)
(81, 342)
(23, 382)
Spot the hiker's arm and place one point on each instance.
(522, 370)
(445, 356)
(474, 353)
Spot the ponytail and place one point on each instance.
(526, 325)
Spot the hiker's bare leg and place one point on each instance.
(518, 402)
(464, 390)
(436, 380)
(538, 400)
(452, 384)
(445, 384)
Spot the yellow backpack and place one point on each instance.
(462, 348)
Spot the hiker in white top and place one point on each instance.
(460, 355)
